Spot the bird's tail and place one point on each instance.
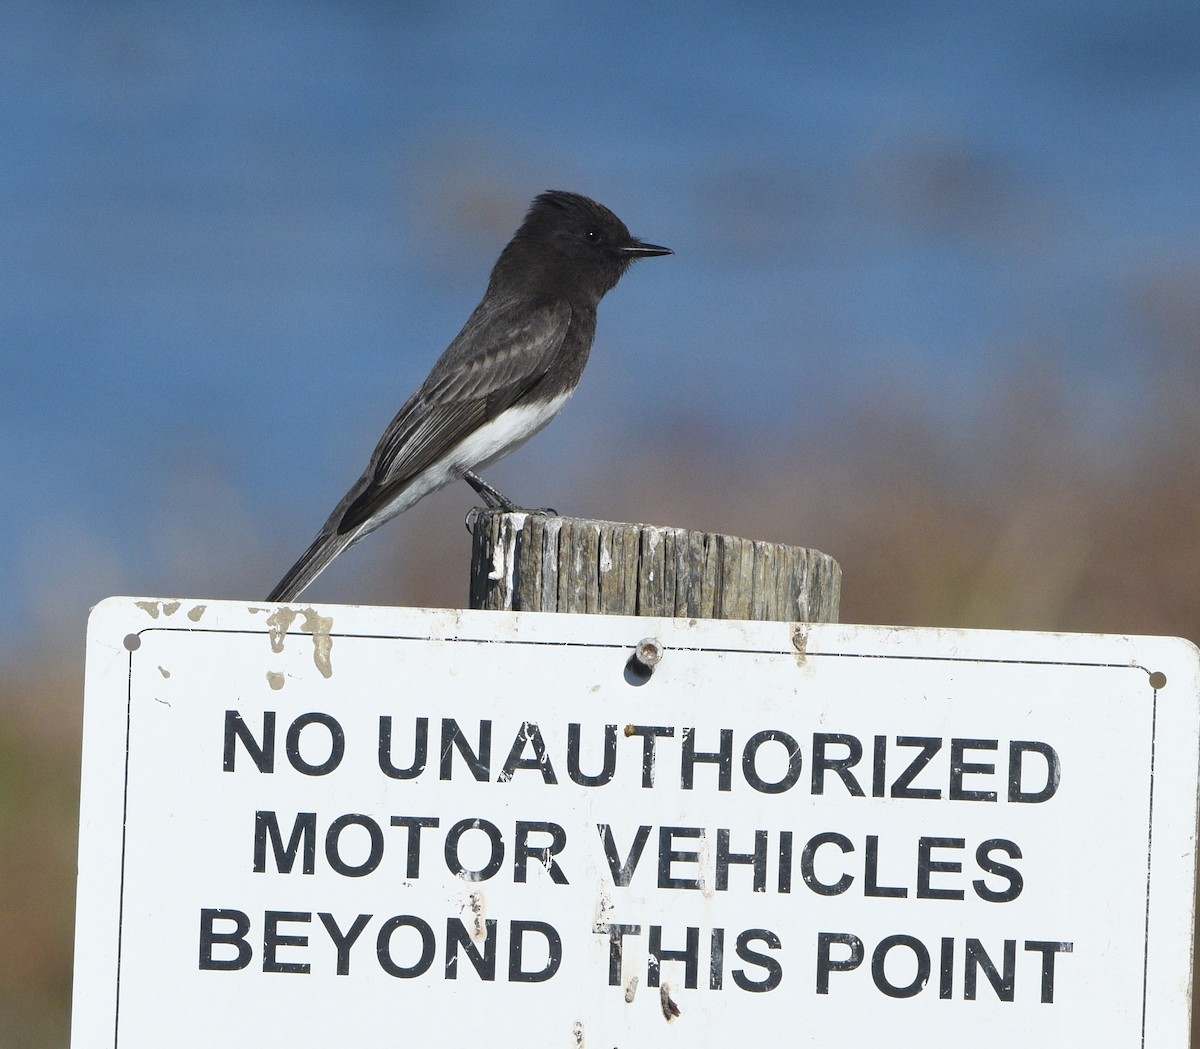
(311, 564)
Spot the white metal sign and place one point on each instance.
(343, 825)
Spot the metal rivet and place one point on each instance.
(646, 656)
(1158, 679)
(648, 652)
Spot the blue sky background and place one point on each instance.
(234, 237)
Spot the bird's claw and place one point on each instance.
(472, 515)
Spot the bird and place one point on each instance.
(509, 372)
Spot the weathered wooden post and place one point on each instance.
(537, 563)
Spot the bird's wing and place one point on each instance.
(503, 351)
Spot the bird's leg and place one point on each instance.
(494, 499)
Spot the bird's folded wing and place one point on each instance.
(501, 354)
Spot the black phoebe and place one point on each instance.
(504, 377)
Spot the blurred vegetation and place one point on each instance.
(39, 797)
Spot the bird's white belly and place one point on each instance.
(504, 434)
(490, 442)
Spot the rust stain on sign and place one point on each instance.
(278, 623)
(319, 627)
(154, 608)
(631, 990)
(800, 643)
(476, 904)
(670, 1010)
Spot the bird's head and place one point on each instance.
(573, 244)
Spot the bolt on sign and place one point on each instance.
(410, 827)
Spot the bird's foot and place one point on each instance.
(508, 507)
(494, 499)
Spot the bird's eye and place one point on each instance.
(593, 235)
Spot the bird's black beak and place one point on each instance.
(637, 249)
